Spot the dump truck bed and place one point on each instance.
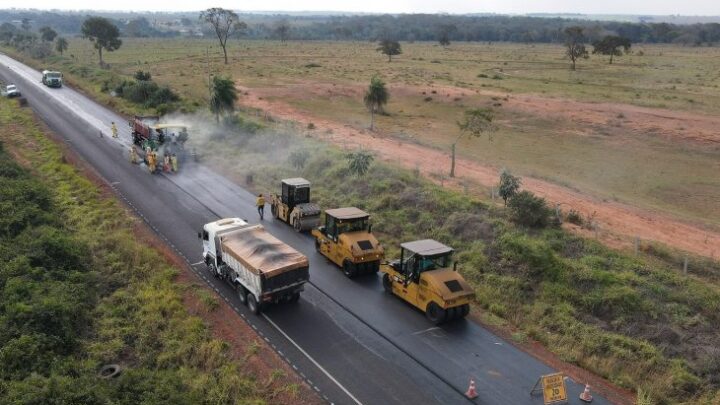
(260, 252)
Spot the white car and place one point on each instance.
(11, 91)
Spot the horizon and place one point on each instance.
(700, 8)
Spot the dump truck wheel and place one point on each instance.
(435, 314)
(253, 304)
(211, 269)
(387, 283)
(274, 210)
(242, 294)
(317, 244)
(297, 224)
(348, 269)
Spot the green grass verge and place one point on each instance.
(78, 291)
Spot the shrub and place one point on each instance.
(530, 210)
(359, 162)
(142, 76)
(574, 217)
(298, 158)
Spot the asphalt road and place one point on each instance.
(349, 340)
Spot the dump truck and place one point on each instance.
(293, 205)
(346, 239)
(164, 138)
(425, 277)
(261, 268)
(52, 79)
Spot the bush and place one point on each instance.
(298, 158)
(574, 217)
(142, 76)
(530, 210)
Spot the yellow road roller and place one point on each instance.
(425, 277)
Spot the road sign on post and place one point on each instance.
(553, 388)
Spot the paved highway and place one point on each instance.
(349, 340)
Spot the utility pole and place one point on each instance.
(207, 60)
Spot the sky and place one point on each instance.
(649, 7)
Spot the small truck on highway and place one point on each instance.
(424, 277)
(347, 240)
(52, 79)
(10, 91)
(260, 267)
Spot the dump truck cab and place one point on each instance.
(425, 277)
(51, 78)
(293, 205)
(346, 239)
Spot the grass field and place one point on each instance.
(664, 158)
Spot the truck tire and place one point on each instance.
(317, 244)
(274, 210)
(253, 304)
(387, 283)
(435, 314)
(242, 294)
(212, 270)
(297, 224)
(348, 268)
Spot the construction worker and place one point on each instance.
(113, 128)
(174, 162)
(133, 155)
(151, 161)
(260, 203)
(166, 163)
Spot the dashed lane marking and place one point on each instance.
(312, 360)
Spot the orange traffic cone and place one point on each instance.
(471, 393)
(585, 395)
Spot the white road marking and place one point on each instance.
(327, 374)
(426, 330)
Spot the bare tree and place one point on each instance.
(575, 43)
(282, 30)
(225, 23)
(476, 122)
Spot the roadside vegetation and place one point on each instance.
(636, 320)
(78, 291)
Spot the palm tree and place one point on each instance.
(223, 96)
(375, 97)
(61, 45)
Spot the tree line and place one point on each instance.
(405, 27)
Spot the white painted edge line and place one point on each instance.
(312, 360)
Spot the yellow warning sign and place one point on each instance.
(554, 388)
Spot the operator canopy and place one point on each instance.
(426, 247)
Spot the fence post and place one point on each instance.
(685, 265)
(637, 245)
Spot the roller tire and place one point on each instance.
(253, 304)
(295, 297)
(435, 314)
(464, 310)
(242, 294)
(387, 283)
(348, 269)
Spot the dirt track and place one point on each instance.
(618, 223)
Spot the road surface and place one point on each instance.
(349, 340)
